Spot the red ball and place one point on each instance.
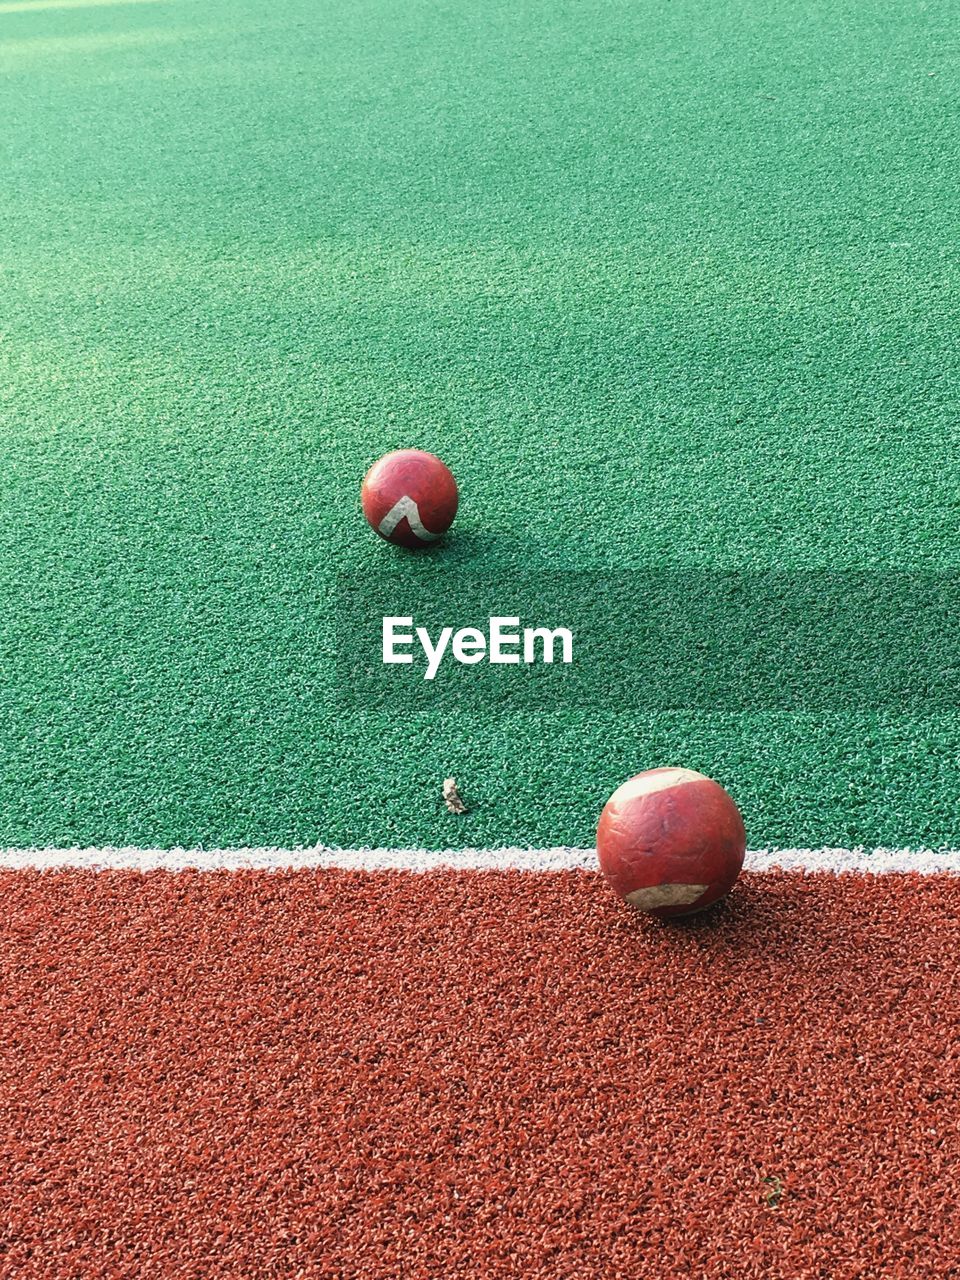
(671, 842)
(409, 497)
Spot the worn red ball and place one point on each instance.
(409, 497)
(671, 842)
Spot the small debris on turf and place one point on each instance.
(773, 1191)
(452, 797)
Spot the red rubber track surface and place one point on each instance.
(476, 1075)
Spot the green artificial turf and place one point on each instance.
(670, 287)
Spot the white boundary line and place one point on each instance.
(320, 857)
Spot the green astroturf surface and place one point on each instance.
(666, 284)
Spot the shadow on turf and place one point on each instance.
(745, 920)
(463, 546)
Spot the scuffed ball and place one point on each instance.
(409, 497)
(671, 842)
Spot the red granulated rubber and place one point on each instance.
(405, 1076)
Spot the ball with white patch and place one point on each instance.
(409, 497)
(671, 842)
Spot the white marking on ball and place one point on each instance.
(666, 895)
(645, 784)
(406, 507)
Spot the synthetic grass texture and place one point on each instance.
(665, 285)
(342, 1074)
